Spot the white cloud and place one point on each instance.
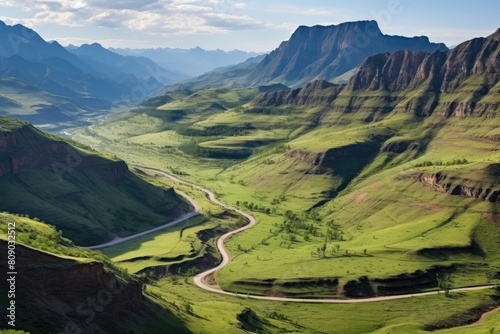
(150, 16)
(240, 5)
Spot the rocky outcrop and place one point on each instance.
(440, 72)
(319, 92)
(443, 183)
(396, 71)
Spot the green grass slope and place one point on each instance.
(90, 197)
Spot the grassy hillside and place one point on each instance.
(56, 277)
(90, 197)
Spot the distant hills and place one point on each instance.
(125, 68)
(45, 83)
(321, 52)
(194, 62)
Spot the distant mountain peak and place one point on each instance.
(327, 52)
(495, 35)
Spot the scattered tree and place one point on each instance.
(445, 282)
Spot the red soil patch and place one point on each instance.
(431, 207)
(211, 281)
(494, 217)
(271, 293)
(358, 197)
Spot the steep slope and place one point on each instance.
(61, 288)
(448, 70)
(326, 52)
(89, 197)
(314, 53)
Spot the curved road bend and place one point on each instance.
(200, 279)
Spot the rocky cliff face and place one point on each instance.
(461, 82)
(326, 52)
(319, 92)
(17, 151)
(442, 183)
(440, 72)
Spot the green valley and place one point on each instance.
(346, 182)
(358, 190)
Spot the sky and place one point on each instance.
(254, 25)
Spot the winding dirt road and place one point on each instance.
(201, 279)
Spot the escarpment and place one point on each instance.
(444, 183)
(462, 82)
(318, 92)
(441, 72)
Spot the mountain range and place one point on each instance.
(59, 87)
(398, 158)
(470, 72)
(193, 62)
(45, 83)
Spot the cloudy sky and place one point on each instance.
(253, 25)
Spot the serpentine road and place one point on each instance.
(200, 279)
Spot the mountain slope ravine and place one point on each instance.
(201, 278)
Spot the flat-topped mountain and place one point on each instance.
(328, 53)
(457, 82)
